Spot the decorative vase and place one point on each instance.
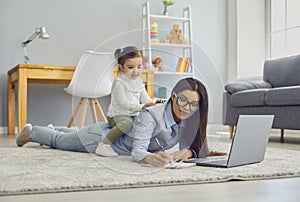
(165, 10)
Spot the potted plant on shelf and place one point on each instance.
(166, 4)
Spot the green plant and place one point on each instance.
(168, 2)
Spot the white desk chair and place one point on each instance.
(92, 79)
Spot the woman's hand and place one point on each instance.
(216, 153)
(182, 155)
(159, 159)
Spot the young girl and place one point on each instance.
(128, 97)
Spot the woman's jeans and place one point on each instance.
(72, 139)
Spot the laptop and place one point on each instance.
(248, 145)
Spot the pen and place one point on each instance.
(161, 147)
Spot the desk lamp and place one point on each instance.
(41, 32)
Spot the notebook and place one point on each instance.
(248, 145)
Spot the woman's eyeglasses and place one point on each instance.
(183, 101)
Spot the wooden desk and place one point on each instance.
(46, 74)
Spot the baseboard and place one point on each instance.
(3, 130)
(217, 127)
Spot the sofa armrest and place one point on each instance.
(245, 85)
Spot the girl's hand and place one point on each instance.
(159, 159)
(160, 101)
(148, 105)
(182, 155)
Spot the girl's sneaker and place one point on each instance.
(51, 126)
(24, 136)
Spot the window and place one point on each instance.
(284, 28)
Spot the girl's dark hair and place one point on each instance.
(122, 54)
(199, 144)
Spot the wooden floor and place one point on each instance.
(236, 191)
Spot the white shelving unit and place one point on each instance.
(169, 52)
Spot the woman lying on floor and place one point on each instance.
(182, 119)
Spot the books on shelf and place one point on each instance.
(183, 65)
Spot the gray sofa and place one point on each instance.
(278, 94)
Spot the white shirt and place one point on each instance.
(128, 97)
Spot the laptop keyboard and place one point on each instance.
(214, 160)
(221, 161)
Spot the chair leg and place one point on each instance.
(75, 113)
(93, 108)
(99, 109)
(83, 112)
(231, 129)
(281, 135)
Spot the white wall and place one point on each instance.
(75, 26)
(246, 35)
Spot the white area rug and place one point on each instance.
(36, 169)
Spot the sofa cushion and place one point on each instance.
(255, 97)
(245, 85)
(283, 71)
(283, 96)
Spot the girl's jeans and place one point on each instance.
(120, 125)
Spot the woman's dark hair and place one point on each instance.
(199, 144)
(122, 54)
